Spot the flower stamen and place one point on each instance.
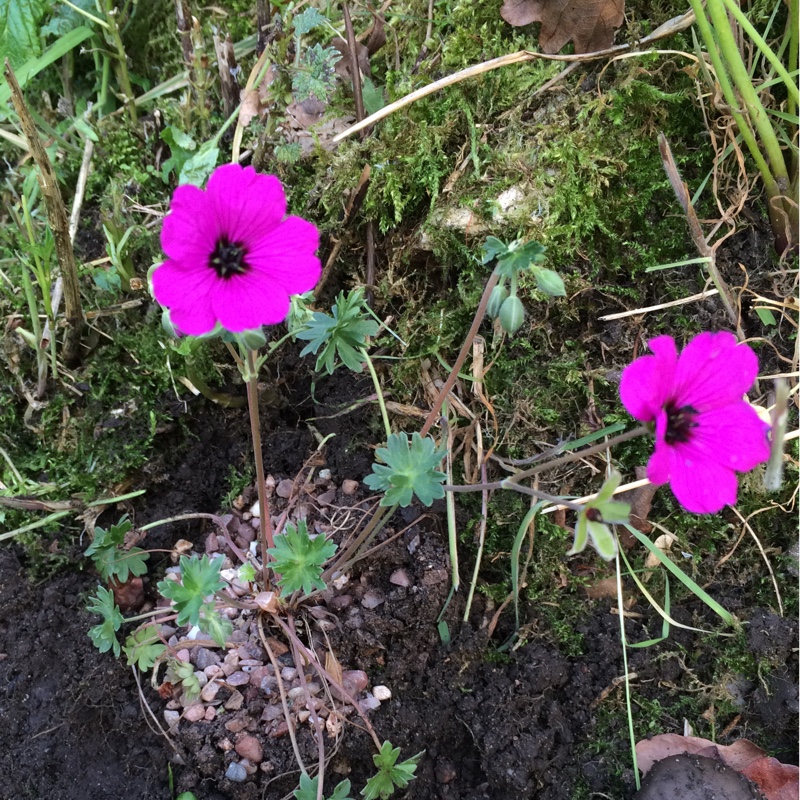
(680, 422)
(228, 258)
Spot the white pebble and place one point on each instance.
(382, 693)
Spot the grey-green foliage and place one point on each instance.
(315, 74)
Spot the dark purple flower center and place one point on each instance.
(680, 422)
(228, 258)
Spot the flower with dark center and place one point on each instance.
(705, 431)
(234, 257)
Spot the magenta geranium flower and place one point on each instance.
(705, 431)
(234, 256)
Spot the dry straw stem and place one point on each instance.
(669, 28)
(57, 217)
(671, 304)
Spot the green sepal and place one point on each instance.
(512, 314)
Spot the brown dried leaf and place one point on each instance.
(589, 24)
(775, 780)
(641, 500)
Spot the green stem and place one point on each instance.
(766, 50)
(122, 59)
(378, 391)
(267, 541)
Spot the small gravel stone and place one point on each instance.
(284, 488)
(172, 718)
(203, 657)
(326, 498)
(225, 744)
(325, 474)
(183, 655)
(288, 673)
(239, 678)
(236, 773)
(214, 671)
(211, 714)
(349, 486)
(355, 680)
(236, 725)
(202, 678)
(296, 693)
(369, 702)
(382, 693)
(373, 598)
(195, 713)
(250, 748)
(271, 713)
(255, 510)
(209, 691)
(400, 578)
(234, 702)
(340, 603)
(445, 771)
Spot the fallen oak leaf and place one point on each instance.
(590, 24)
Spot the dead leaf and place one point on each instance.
(343, 65)
(589, 24)
(377, 36)
(128, 596)
(775, 780)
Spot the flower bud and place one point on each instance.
(496, 300)
(512, 314)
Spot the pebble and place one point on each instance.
(349, 486)
(225, 744)
(214, 671)
(400, 578)
(211, 714)
(183, 655)
(203, 658)
(373, 598)
(236, 773)
(195, 713)
(288, 673)
(284, 488)
(255, 510)
(236, 725)
(355, 680)
(369, 702)
(239, 678)
(202, 678)
(250, 748)
(271, 712)
(234, 702)
(445, 771)
(340, 603)
(325, 474)
(326, 498)
(209, 691)
(302, 716)
(382, 693)
(172, 718)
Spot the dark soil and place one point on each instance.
(531, 722)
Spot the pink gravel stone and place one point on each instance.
(250, 748)
(195, 713)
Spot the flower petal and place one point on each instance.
(287, 257)
(701, 486)
(187, 294)
(713, 371)
(246, 204)
(189, 232)
(733, 436)
(249, 301)
(646, 383)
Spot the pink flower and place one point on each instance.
(233, 257)
(705, 431)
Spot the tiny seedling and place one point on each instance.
(298, 559)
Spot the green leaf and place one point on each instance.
(182, 673)
(373, 97)
(493, 248)
(219, 628)
(199, 580)
(391, 774)
(247, 573)
(308, 789)
(593, 520)
(519, 257)
(104, 635)
(316, 75)
(550, 282)
(34, 66)
(181, 149)
(110, 559)
(407, 471)
(144, 647)
(343, 334)
(299, 559)
(19, 29)
(65, 19)
(306, 21)
(197, 169)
